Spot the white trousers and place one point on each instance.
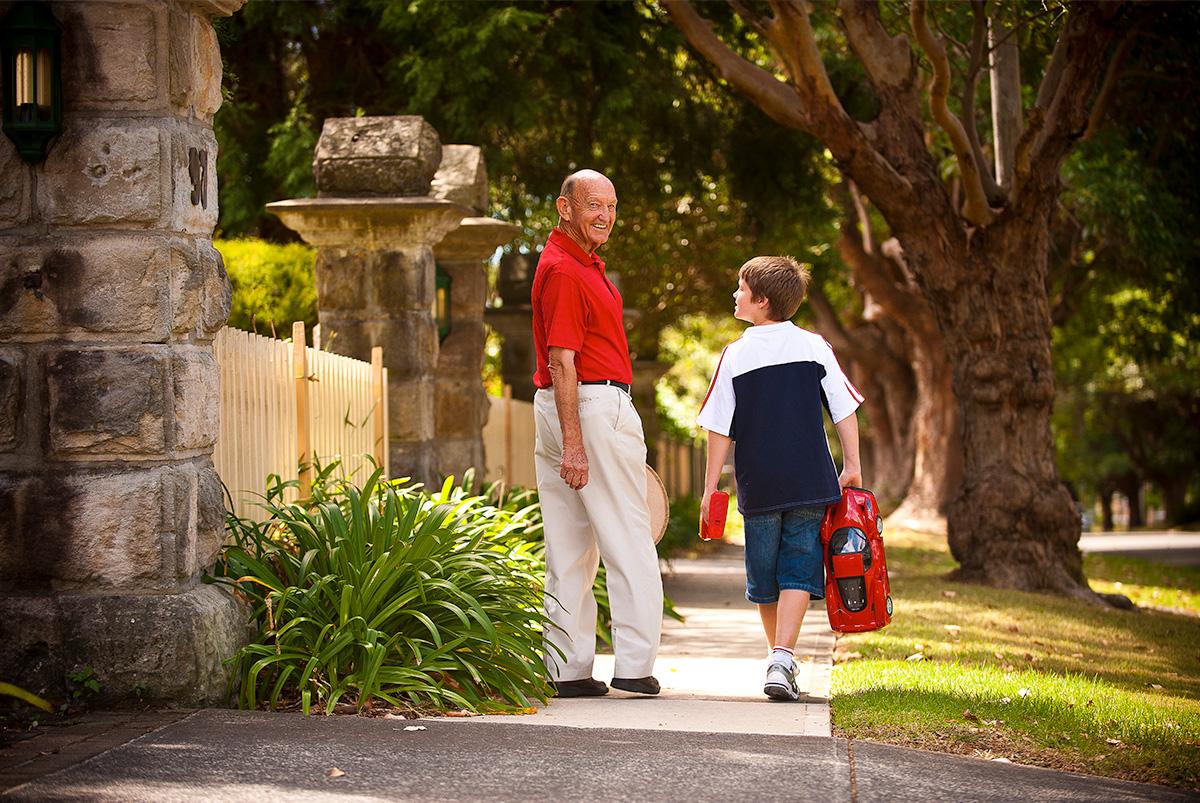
(607, 518)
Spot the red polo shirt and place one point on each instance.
(576, 307)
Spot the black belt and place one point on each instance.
(614, 383)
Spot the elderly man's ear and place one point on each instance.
(564, 207)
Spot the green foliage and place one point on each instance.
(382, 592)
(273, 285)
(84, 684)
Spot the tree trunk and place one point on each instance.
(1106, 508)
(1174, 494)
(1131, 486)
(1006, 99)
(1012, 523)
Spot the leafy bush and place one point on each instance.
(384, 592)
(273, 285)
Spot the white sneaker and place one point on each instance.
(781, 682)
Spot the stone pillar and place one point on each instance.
(374, 224)
(110, 295)
(462, 403)
(513, 320)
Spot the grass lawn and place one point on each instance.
(1031, 678)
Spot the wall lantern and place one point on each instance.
(441, 303)
(30, 57)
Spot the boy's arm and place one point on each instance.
(718, 450)
(847, 430)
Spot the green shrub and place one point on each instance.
(388, 593)
(273, 285)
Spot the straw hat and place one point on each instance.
(657, 503)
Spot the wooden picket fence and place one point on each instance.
(508, 441)
(284, 404)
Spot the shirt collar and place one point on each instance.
(767, 329)
(563, 241)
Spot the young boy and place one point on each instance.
(768, 393)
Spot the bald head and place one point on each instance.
(587, 208)
(580, 178)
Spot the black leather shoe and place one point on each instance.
(646, 685)
(588, 687)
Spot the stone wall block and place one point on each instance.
(402, 281)
(103, 172)
(196, 379)
(462, 407)
(106, 402)
(94, 530)
(410, 409)
(87, 283)
(376, 156)
(113, 55)
(341, 279)
(461, 353)
(468, 289)
(210, 515)
(462, 177)
(15, 189)
(201, 295)
(163, 647)
(194, 180)
(195, 65)
(12, 369)
(409, 343)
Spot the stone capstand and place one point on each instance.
(462, 403)
(374, 224)
(513, 320)
(110, 296)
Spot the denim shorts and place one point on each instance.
(783, 551)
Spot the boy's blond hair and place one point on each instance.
(781, 280)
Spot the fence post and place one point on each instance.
(377, 391)
(508, 437)
(303, 419)
(316, 337)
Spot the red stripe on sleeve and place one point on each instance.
(858, 397)
(713, 383)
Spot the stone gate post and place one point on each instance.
(110, 295)
(374, 224)
(462, 403)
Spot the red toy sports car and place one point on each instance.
(857, 594)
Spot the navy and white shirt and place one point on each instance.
(768, 394)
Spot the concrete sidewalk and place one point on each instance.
(711, 736)
(711, 666)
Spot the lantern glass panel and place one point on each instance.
(42, 75)
(25, 85)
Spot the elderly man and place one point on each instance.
(590, 454)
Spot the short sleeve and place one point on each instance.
(564, 311)
(716, 413)
(840, 394)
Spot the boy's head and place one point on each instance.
(781, 281)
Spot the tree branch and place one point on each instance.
(887, 59)
(976, 209)
(780, 102)
(792, 36)
(995, 195)
(1110, 79)
(1060, 116)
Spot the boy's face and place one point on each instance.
(746, 308)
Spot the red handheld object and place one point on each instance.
(718, 509)
(857, 593)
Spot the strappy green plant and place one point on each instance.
(384, 592)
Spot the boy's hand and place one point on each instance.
(851, 475)
(704, 505)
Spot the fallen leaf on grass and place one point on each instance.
(999, 656)
(842, 657)
(334, 772)
(1002, 760)
(1013, 629)
(949, 594)
(1113, 741)
(1076, 655)
(968, 715)
(1155, 686)
(952, 629)
(462, 713)
(1023, 692)
(916, 656)
(1005, 700)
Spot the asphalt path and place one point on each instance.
(1177, 548)
(242, 755)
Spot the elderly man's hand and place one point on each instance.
(574, 466)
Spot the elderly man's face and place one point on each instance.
(591, 212)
